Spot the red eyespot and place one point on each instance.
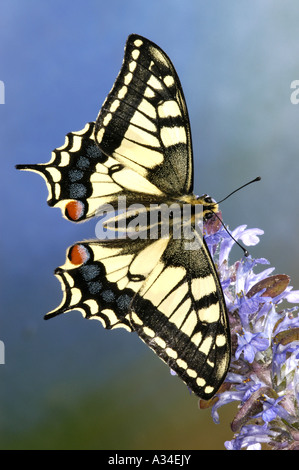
(74, 210)
(78, 254)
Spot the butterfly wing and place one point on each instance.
(181, 314)
(100, 279)
(166, 290)
(139, 148)
(144, 121)
(81, 178)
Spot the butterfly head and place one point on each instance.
(209, 204)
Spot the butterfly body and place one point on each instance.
(133, 168)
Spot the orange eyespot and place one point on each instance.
(74, 210)
(78, 254)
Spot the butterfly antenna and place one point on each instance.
(246, 253)
(258, 178)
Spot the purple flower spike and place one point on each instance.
(264, 372)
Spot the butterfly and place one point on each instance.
(163, 287)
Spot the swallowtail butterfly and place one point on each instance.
(161, 287)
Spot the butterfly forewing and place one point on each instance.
(164, 287)
(180, 313)
(144, 122)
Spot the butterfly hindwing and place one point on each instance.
(164, 291)
(81, 178)
(68, 174)
(100, 279)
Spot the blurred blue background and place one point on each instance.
(69, 383)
